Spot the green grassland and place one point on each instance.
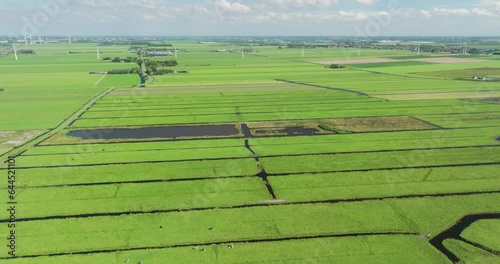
(346, 250)
(465, 74)
(470, 254)
(368, 197)
(484, 232)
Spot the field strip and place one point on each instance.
(331, 201)
(98, 109)
(261, 240)
(240, 96)
(125, 151)
(139, 182)
(332, 137)
(480, 246)
(361, 61)
(201, 178)
(271, 111)
(281, 155)
(228, 99)
(448, 60)
(65, 123)
(206, 105)
(435, 96)
(391, 168)
(324, 87)
(135, 162)
(395, 74)
(102, 78)
(276, 174)
(251, 156)
(483, 247)
(454, 233)
(159, 107)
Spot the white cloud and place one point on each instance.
(233, 7)
(494, 4)
(488, 8)
(301, 3)
(426, 13)
(478, 11)
(148, 4)
(367, 2)
(149, 17)
(267, 16)
(446, 11)
(345, 16)
(482, 12)
(351, 15)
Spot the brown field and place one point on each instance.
(11, 139)
(376, 124)
(349, 125)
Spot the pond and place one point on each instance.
(157, 132)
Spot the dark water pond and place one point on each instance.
(157, 132)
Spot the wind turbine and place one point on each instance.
(69, 39)
(15, 52)
(26, 41)
(243, 53)
(418, 50)
(175, 52)
(98, 53)
(39, 40)
(31, 40)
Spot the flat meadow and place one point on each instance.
(368, 163)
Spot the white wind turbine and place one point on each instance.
(15, 52)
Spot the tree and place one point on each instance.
(336, 66)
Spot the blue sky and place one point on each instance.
(245, 17)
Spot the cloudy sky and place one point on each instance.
(248, 17)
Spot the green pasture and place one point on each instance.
(470, 254)
(485, 233)
(383, 249)
(373, 197)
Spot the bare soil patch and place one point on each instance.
(288, 131)
(339, 125)
(376, 124)
(14, 138)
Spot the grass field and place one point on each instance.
(404, 151)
